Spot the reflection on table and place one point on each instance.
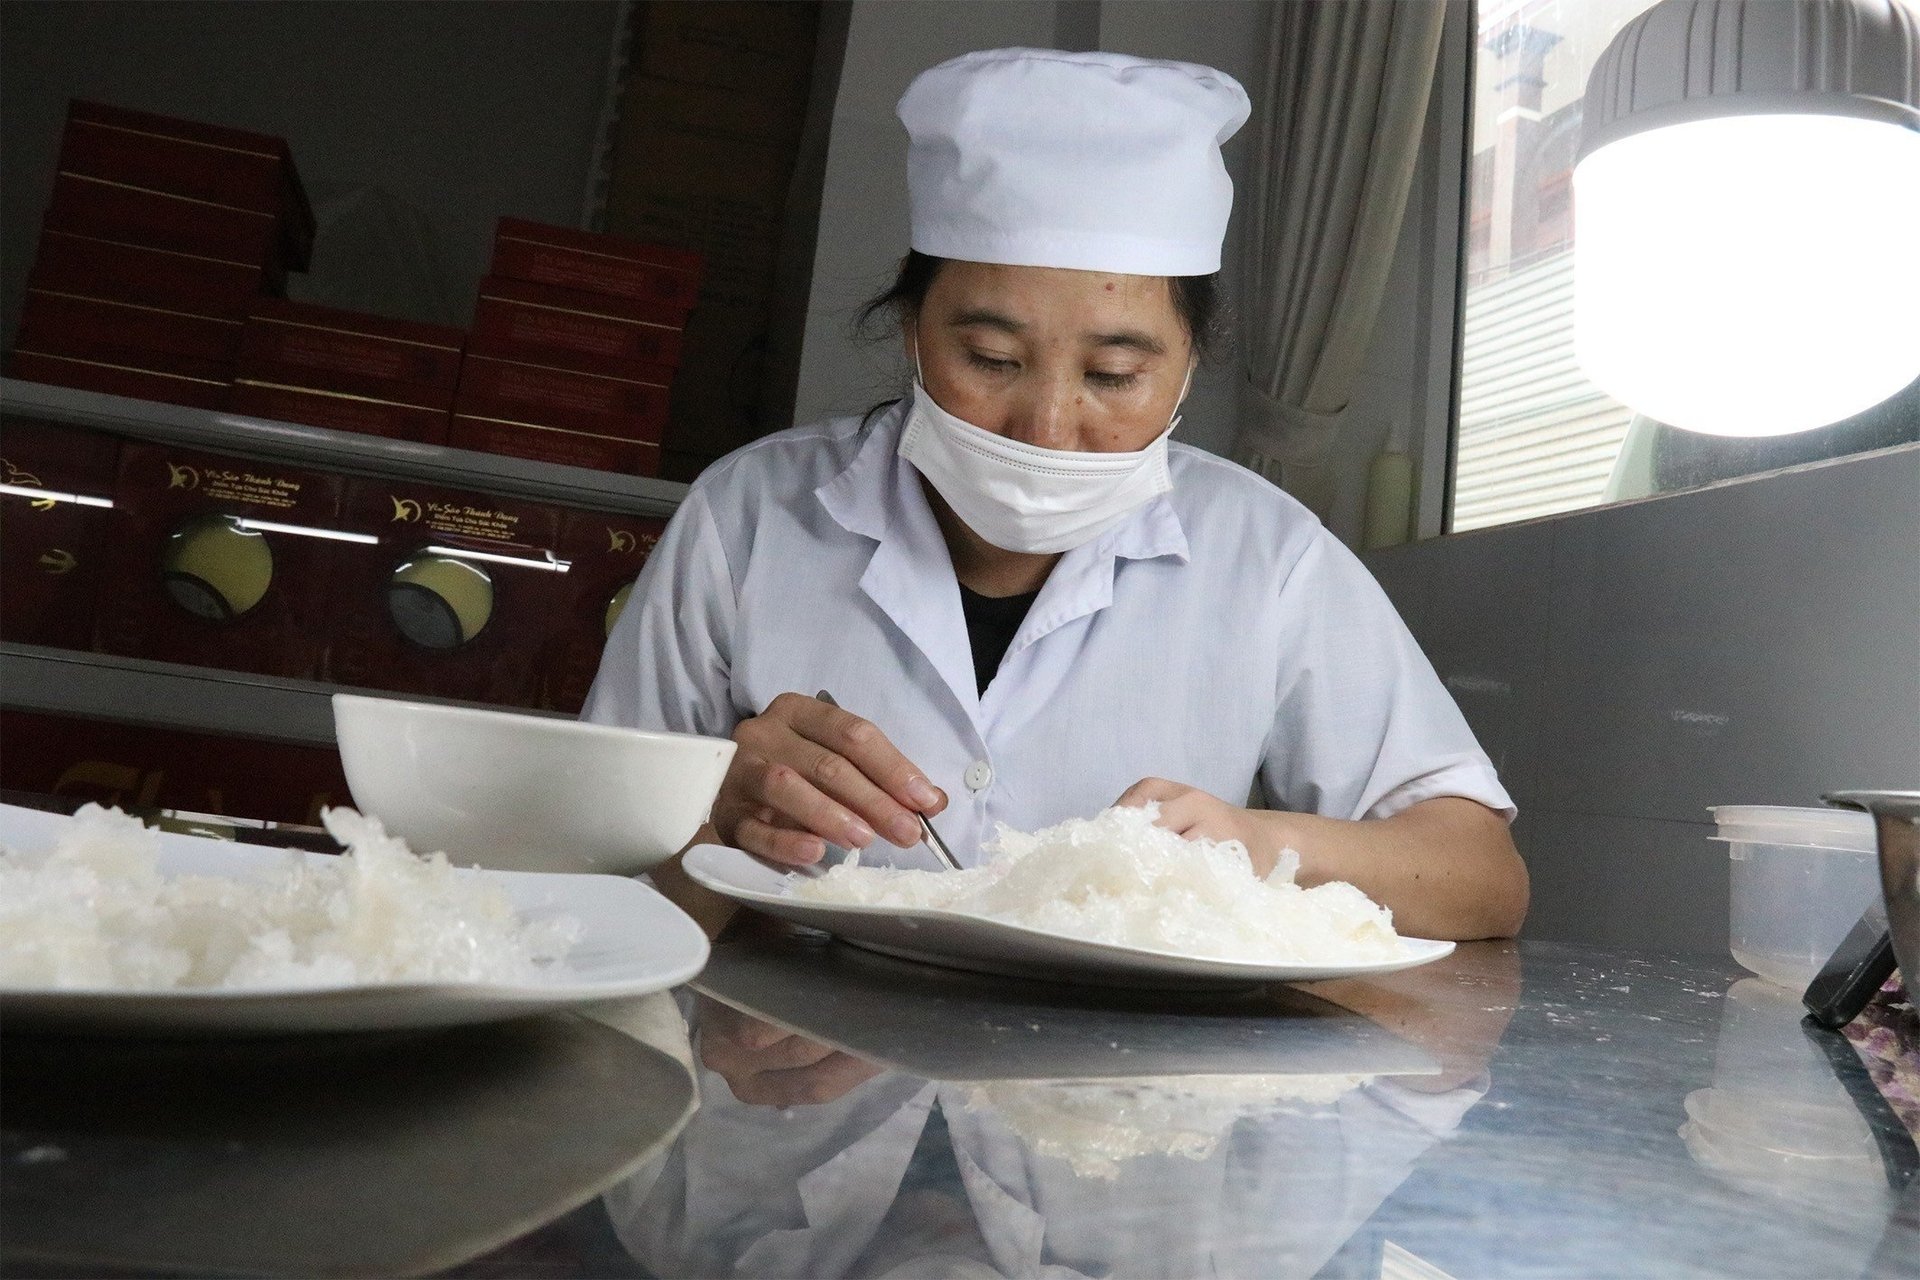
(371, 1154)
(863, 1116)
(906, 1121)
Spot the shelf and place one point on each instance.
(339, 450)
(135, 691)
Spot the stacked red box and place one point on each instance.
(454, 595)
(588, 261)
(575, 340)
(209, 165)
(55, 512)
(160, 234)
(347, 370)
(604, 554)
(216, 561)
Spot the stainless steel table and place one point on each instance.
(1519, 1109)
(377, 1155)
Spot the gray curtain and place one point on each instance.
(1345, 101)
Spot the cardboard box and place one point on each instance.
(90, 268)
(186, 582)
(628, 408)
(325, 348)
(136, 767)
(551, 444)
(124, 333)
(604, 553)
(652, 273)
(131, 215)
(233, 167)
(117, 379)
(571, 329)
(757, 48)
(455, 598)
(705, 154)
(50, 545)
(338, 412)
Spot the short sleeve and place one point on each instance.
(667, 663)
(1364, 728)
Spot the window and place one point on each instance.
(1535, 436)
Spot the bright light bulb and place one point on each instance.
(1750, 275)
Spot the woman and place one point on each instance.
(1028, 604)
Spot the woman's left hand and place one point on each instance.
(1445, 866)
(1193, 814)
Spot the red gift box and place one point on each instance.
(91, 268)
(51, 537)
(118, 379)
(399, 624)
(604, 554)
(626, 408)
(570, 329)
(217, 561)
(552, 444)
(212, 163)
(123, 333)
(300, 344)
(112, 211)
(338, 412)
(542, 254)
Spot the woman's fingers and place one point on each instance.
(765, 1065)
(832, 1077)
(776, 843)
(870, 751)
(1148, 790)
(731, 1057)
(1186, 811)
(843, 780)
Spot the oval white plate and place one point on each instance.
(633, 942)
(993, 946)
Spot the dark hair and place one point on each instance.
(1196, 299)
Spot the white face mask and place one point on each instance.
(1021, 497)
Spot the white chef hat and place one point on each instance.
(1099, 161)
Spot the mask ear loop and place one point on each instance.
(1185, 387)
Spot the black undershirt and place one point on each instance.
(992, 622)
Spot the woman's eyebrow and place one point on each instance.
(983, 317)
(986, 318)
(1133, 339)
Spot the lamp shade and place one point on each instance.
(1747, 259)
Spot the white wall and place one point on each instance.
(1755, 642)
(464, 111)
(863, 206)
(863, 217)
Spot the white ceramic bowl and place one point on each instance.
(518, 792)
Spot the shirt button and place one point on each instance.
(978, 775)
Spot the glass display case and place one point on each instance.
(200, 573)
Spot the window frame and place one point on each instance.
(1445, 291)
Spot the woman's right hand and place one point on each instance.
(807, 773)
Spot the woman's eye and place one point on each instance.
(1112, 381)
(992, 364)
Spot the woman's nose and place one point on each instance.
(1046, 416)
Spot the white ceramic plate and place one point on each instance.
(633, 942)
(992, 946)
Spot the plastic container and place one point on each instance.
(1800, 879)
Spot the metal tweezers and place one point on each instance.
(928, 836)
